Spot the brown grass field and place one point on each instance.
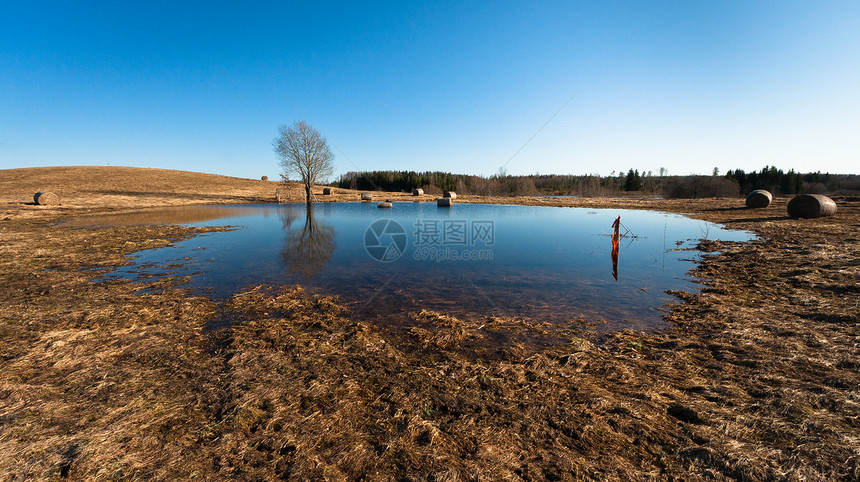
(757, 378)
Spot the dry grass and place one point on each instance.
(129, 188)
(757, 379)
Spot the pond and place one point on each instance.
(546, 263)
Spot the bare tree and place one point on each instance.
(304, 151)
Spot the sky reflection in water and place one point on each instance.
(548, 263)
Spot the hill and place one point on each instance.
(124, 187)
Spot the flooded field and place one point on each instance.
(753, 377)
(548, 263)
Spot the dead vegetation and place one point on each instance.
(756, 380)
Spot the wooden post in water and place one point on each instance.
(615, 243)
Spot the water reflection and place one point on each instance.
(306, 251)
(547, 263)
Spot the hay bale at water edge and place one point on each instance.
(444, 202)
(759, 199)
(450, 194)
(385, 204)
(46, 198)
(811, 206)
(326, 191)
(417, 192)
(366, 196)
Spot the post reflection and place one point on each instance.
(306, 251)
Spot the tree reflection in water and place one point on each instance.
(306, 251)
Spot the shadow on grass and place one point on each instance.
(758, 220)
(734, 208)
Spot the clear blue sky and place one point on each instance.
(469, 87)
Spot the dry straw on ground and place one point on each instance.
(756, 380)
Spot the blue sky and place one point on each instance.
(468, 87)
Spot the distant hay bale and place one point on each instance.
(811, 206)
(384, 204)
(417, 192)
(450, 194)
(46, 198)
(367, 196)
(326, 191)
(264, 178)
(759, 199)
(444, 202)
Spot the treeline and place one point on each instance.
(733, 183)
(498, 185)
(393, 181)
(791, 182)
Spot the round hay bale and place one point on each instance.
(327, 191)
(417, 192)
(759, 199)
(385, 204)
(444, 202)
(450, 194)
(264, 178)
(811, 206)
(367, 196)
(46, 198)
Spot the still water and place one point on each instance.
(547, 263)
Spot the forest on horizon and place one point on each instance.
(732, 183)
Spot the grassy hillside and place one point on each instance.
(87, 186)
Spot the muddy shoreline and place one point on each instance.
(757, 379)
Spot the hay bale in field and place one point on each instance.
(264, 178)
(450, 194)
(759, 199)
(326, 191)
(367, 196)
(385, 204)
(417, 192)
(46, 198)
(444, 202)
(811, 206)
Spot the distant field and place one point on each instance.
(112, 187)
(87, 186)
